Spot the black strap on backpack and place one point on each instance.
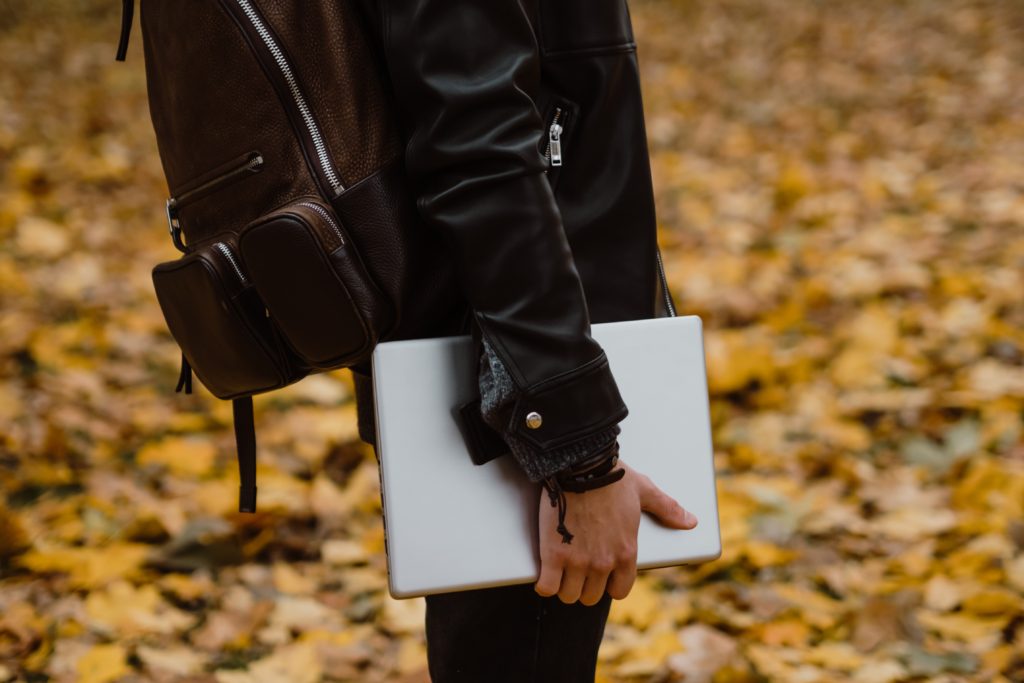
(245, 439)
(127, 15)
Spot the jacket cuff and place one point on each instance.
(564, 408)
(487, 421)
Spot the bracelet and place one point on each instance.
(593, 473)
(595, 461)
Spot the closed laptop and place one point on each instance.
(453, 525)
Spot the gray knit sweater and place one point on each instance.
(498, 393)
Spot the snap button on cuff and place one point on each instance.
(534, 420)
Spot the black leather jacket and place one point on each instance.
(526, 148)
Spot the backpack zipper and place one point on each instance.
(326, 215)
(252, 164)
(276, 54)
(226, 250)
(664, 284)
(553, 151)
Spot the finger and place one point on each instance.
(550, 579)
(665, 507)
(593, 587)
(621, 580)
(572, 585)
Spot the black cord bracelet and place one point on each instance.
(598, 472)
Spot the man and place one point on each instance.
(527, 151)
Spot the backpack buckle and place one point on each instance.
(174, 226)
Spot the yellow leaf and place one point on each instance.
(942, 594)
(658, 646)
(184, 455)
(833, 655)
(412, 656)
(125, 610)
(403, 616)
(979, 632)
(187, 586)
(817, 609)
(373, 540)
(762, 554)
(89, 567)
(41, 238)
(101, 664)
(295, 663)
(994, 601)
(340, 551)
(639, 608)
(785, 632)
(177, 660)
(735, 359)
(13, 538)
(1015, 573)
(287, 579)
(792, 184)
(994, 486)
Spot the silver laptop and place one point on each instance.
(453, 525)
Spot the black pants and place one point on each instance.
(510, 634)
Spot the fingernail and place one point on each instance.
(689, 519)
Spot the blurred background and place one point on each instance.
(840, 189)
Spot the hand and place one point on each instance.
(604, 522)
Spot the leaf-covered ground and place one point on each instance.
(841, 195)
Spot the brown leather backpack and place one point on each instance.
(301, 247)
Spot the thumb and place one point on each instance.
(665, 507)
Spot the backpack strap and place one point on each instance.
(184, 376)
(245, 441)
(127, 14)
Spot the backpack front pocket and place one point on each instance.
(314, 284)
(220, 323)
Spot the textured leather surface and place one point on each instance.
(586, 402)
(435, 114)
(307, 299)
(219, 325)
(604, 191)
(334, 62)
(214, 100)
(473, 83)
(408, 259)
(210, 102)
(584, 24)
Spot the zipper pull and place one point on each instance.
(174, 225)
(555, 142)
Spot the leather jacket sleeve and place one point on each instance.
(465, 75)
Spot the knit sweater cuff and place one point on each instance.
(498, 393)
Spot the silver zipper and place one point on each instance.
(553, 152)
(173, 203)
(254, 162)
(664, 284)
(326, 215)
(226, 250)
(296, 92)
